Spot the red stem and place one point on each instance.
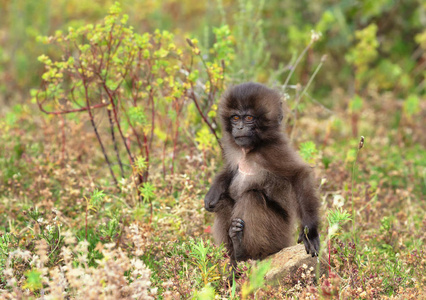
(63, 137)
(194, 98)
(58, 112)
(329, 256)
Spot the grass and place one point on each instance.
(67, 231)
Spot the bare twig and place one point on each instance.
(95, 128)
(92, 121)
(296, 64)
(67, 111)
(360, 146)
(299, 97)
(194, 98)
(111, 123)
(63, 137)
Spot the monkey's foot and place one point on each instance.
(236, 230)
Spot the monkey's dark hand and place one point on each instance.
(212, 197)
(218, 188)
(310, 238)
(236, 230)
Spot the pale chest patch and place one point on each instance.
(250, 175)
(245, 167)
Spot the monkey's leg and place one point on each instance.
(221, 228)
(236, 235)
(266, 230)
(222, 222)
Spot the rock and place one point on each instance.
(288, 260)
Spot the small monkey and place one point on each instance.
(264, 186)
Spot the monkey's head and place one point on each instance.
(251, 113)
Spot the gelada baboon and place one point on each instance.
(264, 184)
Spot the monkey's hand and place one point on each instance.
(236, 230)
(212, 197)
(310, 238)
(219, 187)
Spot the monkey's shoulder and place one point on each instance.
(282, 166)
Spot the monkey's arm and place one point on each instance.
(219, 187)
(291, 167)
(308, 206)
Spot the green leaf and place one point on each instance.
(412, 105)
(355, 105)
(256, 279)
(96, 199)
(137, 115)
(33, 281)
(205, 139)
(308, 151)
(207, 293)
(111, 84)
(351, 155)
(140, 164)
(147, 191)
(338, 217)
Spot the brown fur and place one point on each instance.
(266, 185)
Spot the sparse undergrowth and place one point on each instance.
(67, 231)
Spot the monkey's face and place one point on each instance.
(244, 129)
(251, 115)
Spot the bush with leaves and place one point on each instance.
(140, 83)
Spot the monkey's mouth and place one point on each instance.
(242, 137)
(243, 140)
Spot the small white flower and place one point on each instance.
(8, 272)
(333, 229)
(286, 96)
(315, 36)
(338, 201)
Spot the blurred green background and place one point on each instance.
(372, 46)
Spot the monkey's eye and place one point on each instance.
(249, 118)
(235, 118)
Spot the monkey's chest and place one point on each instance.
(248, 177)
